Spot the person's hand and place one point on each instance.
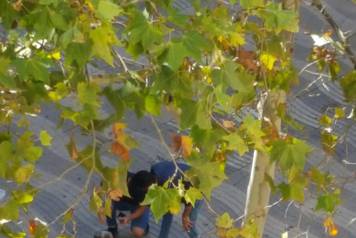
(187, 223)
(115, 194)
(101, 215)
(124, 220)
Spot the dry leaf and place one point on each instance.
(120, 150)
(228, 124)
(176, 142)
(247, 59)
(330, 226)
(72, 149)
(183, 144)
(32, 226)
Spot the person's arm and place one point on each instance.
(186, 222)
(136, 214)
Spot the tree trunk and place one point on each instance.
(259, 191)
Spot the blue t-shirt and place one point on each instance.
(165, 170)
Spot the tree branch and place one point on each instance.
(336, 28)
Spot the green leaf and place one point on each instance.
(253, 130)
(175, 55)
(161, 200)
(103, 39)
(58, 20)
(34, 67)
(87, 94)
(339, 113)
(153, 105)
(6, 151)
(192, 195)
(10, 210)
(78, 53)
(142, 32)
(203, 119)
(45, 138)
(95, 202)
(189, 113)
(236, 143)
(209, 175)
(23, 174)
(325, 120)
(291, 192)
(107, 10)
(290, 153)
(328, 202)
(249, 4)
(224, 221)
(348, 85)
(107, 208)
(68, 216)
(23, 197)
(328, 141)
(277, 19)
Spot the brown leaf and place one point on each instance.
(72, 149)
(183, 144)
(32, 226)
(228, 124)
(120, 150)
(176, 142)
(247, 59)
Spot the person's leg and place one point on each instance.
(140, 226)
(111, 221)
(193, 218)
(166, 225)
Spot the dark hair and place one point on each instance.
(139, 184)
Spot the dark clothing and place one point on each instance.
(166, 169)
(121, 205)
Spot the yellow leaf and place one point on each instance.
(237, 39)
(23, 174)
(118, 127)
(268, 60)
(55, 55)
(330, 226)
(187, 145)
(284, 234)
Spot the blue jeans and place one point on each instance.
(168, 218)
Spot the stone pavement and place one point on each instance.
(230, 197)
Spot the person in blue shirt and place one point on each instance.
(163, 171)
(138, 185)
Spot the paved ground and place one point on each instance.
(306, 108)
